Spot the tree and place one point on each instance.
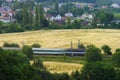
(1, 50)
(64, 76)
(56, 7)
(41, 15)
(68, 23)
(36, 17)
(30, 16)
(97, 71)
(27, 50)
(75, 75)
(35, 45)
(19, 16)
(117, 50)
(106, 49)
(25, 15)
(116, 58)
(104, 17)
(30, 73)
(38, 64)
(11, 64)
(76, 24)
(117, 74)
(45, 23)
(93, 54)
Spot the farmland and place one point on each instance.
(62, 38)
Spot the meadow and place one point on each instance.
(63, 38)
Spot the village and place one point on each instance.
(7, 14)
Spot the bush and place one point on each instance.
(117, 74)
(93, 54)
(45, 75)
(97, 71)
(106, 49)
(116, 58)
(38, 64)
(35, 45)
(117, 50)
(81, 46)
(27, 50)
(75, 75)
(1, 50)
(11, 64)
(10, 44)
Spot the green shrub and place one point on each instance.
(93, 54)
(116, 59)
(27, 50)
(35, 45)
(106, 49)
(10, 44)
(97, 71)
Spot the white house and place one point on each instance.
(4, 19)
(69, 14)
(46, 9)
(115, 5)
(86, 16)
(58, 17)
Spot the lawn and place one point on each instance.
(63, 38)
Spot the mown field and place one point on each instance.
(62, 38)
(61, 67)
(60, 64)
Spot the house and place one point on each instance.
(5, 19)
(86, 16)
(104, 7)
(9, 0)
(69, 14)
(55, 17)
(8, 13)
(115, 5)
(91, 5)
(46, 9)
(58, 17)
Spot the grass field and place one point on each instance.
(57, 64)
(61, 67)
(62, 38)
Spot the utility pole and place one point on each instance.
(71, 49)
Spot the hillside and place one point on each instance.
(62, 38)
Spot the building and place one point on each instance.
(69, 14)
(115, 5)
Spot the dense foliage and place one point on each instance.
(106, 49)
(6, 44)
(27, 50)
(97, 71)
(36, 45)
(116, 58)
(93, 54)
